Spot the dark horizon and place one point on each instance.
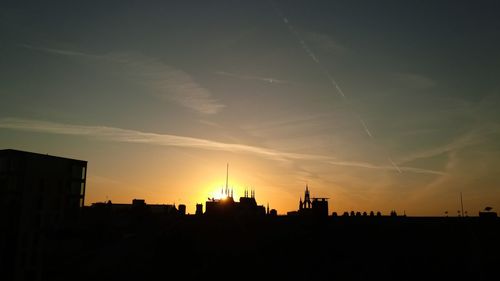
(381, 106)
(48, 234)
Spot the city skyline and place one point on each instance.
(378, 106)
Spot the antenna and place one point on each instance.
(462, 204)
(227, 176)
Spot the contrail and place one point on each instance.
(309, 52)
(249, 77)
(395, 166)
(334, 83)
(313, 56)
(366, 127)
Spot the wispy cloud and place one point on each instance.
(166, 82)
(323, 41)
(251, 77)
(413, 80)
(134, 136)
(385, 167)
(169, 83)
(465, 140)
(58, 51)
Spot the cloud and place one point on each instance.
(413, 80)
(166, 82)
(169, 83)
(385, 167)
(250, 77)
(470, 138)
(58, 51)
(134, 136)
(323, 42)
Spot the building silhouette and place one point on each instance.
(247, 206)
(199, 209)
(487, 213)
(317, 207)
(138, 206)
(39, 194)
(226, 206)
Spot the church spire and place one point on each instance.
(307, 199)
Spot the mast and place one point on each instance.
(462, 204)
(227, 177)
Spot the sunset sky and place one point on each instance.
(378, 105)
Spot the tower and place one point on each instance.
(307, 199)
(227, 178)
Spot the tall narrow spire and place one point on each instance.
(462, 204)
(227, 178)
(307, 200)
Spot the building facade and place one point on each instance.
(39, 194)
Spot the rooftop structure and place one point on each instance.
(247, 206)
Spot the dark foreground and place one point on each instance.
(336, 248)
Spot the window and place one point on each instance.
(82, 189)
(83, 172)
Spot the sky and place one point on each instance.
(377, 105)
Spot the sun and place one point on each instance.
(219, 194)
